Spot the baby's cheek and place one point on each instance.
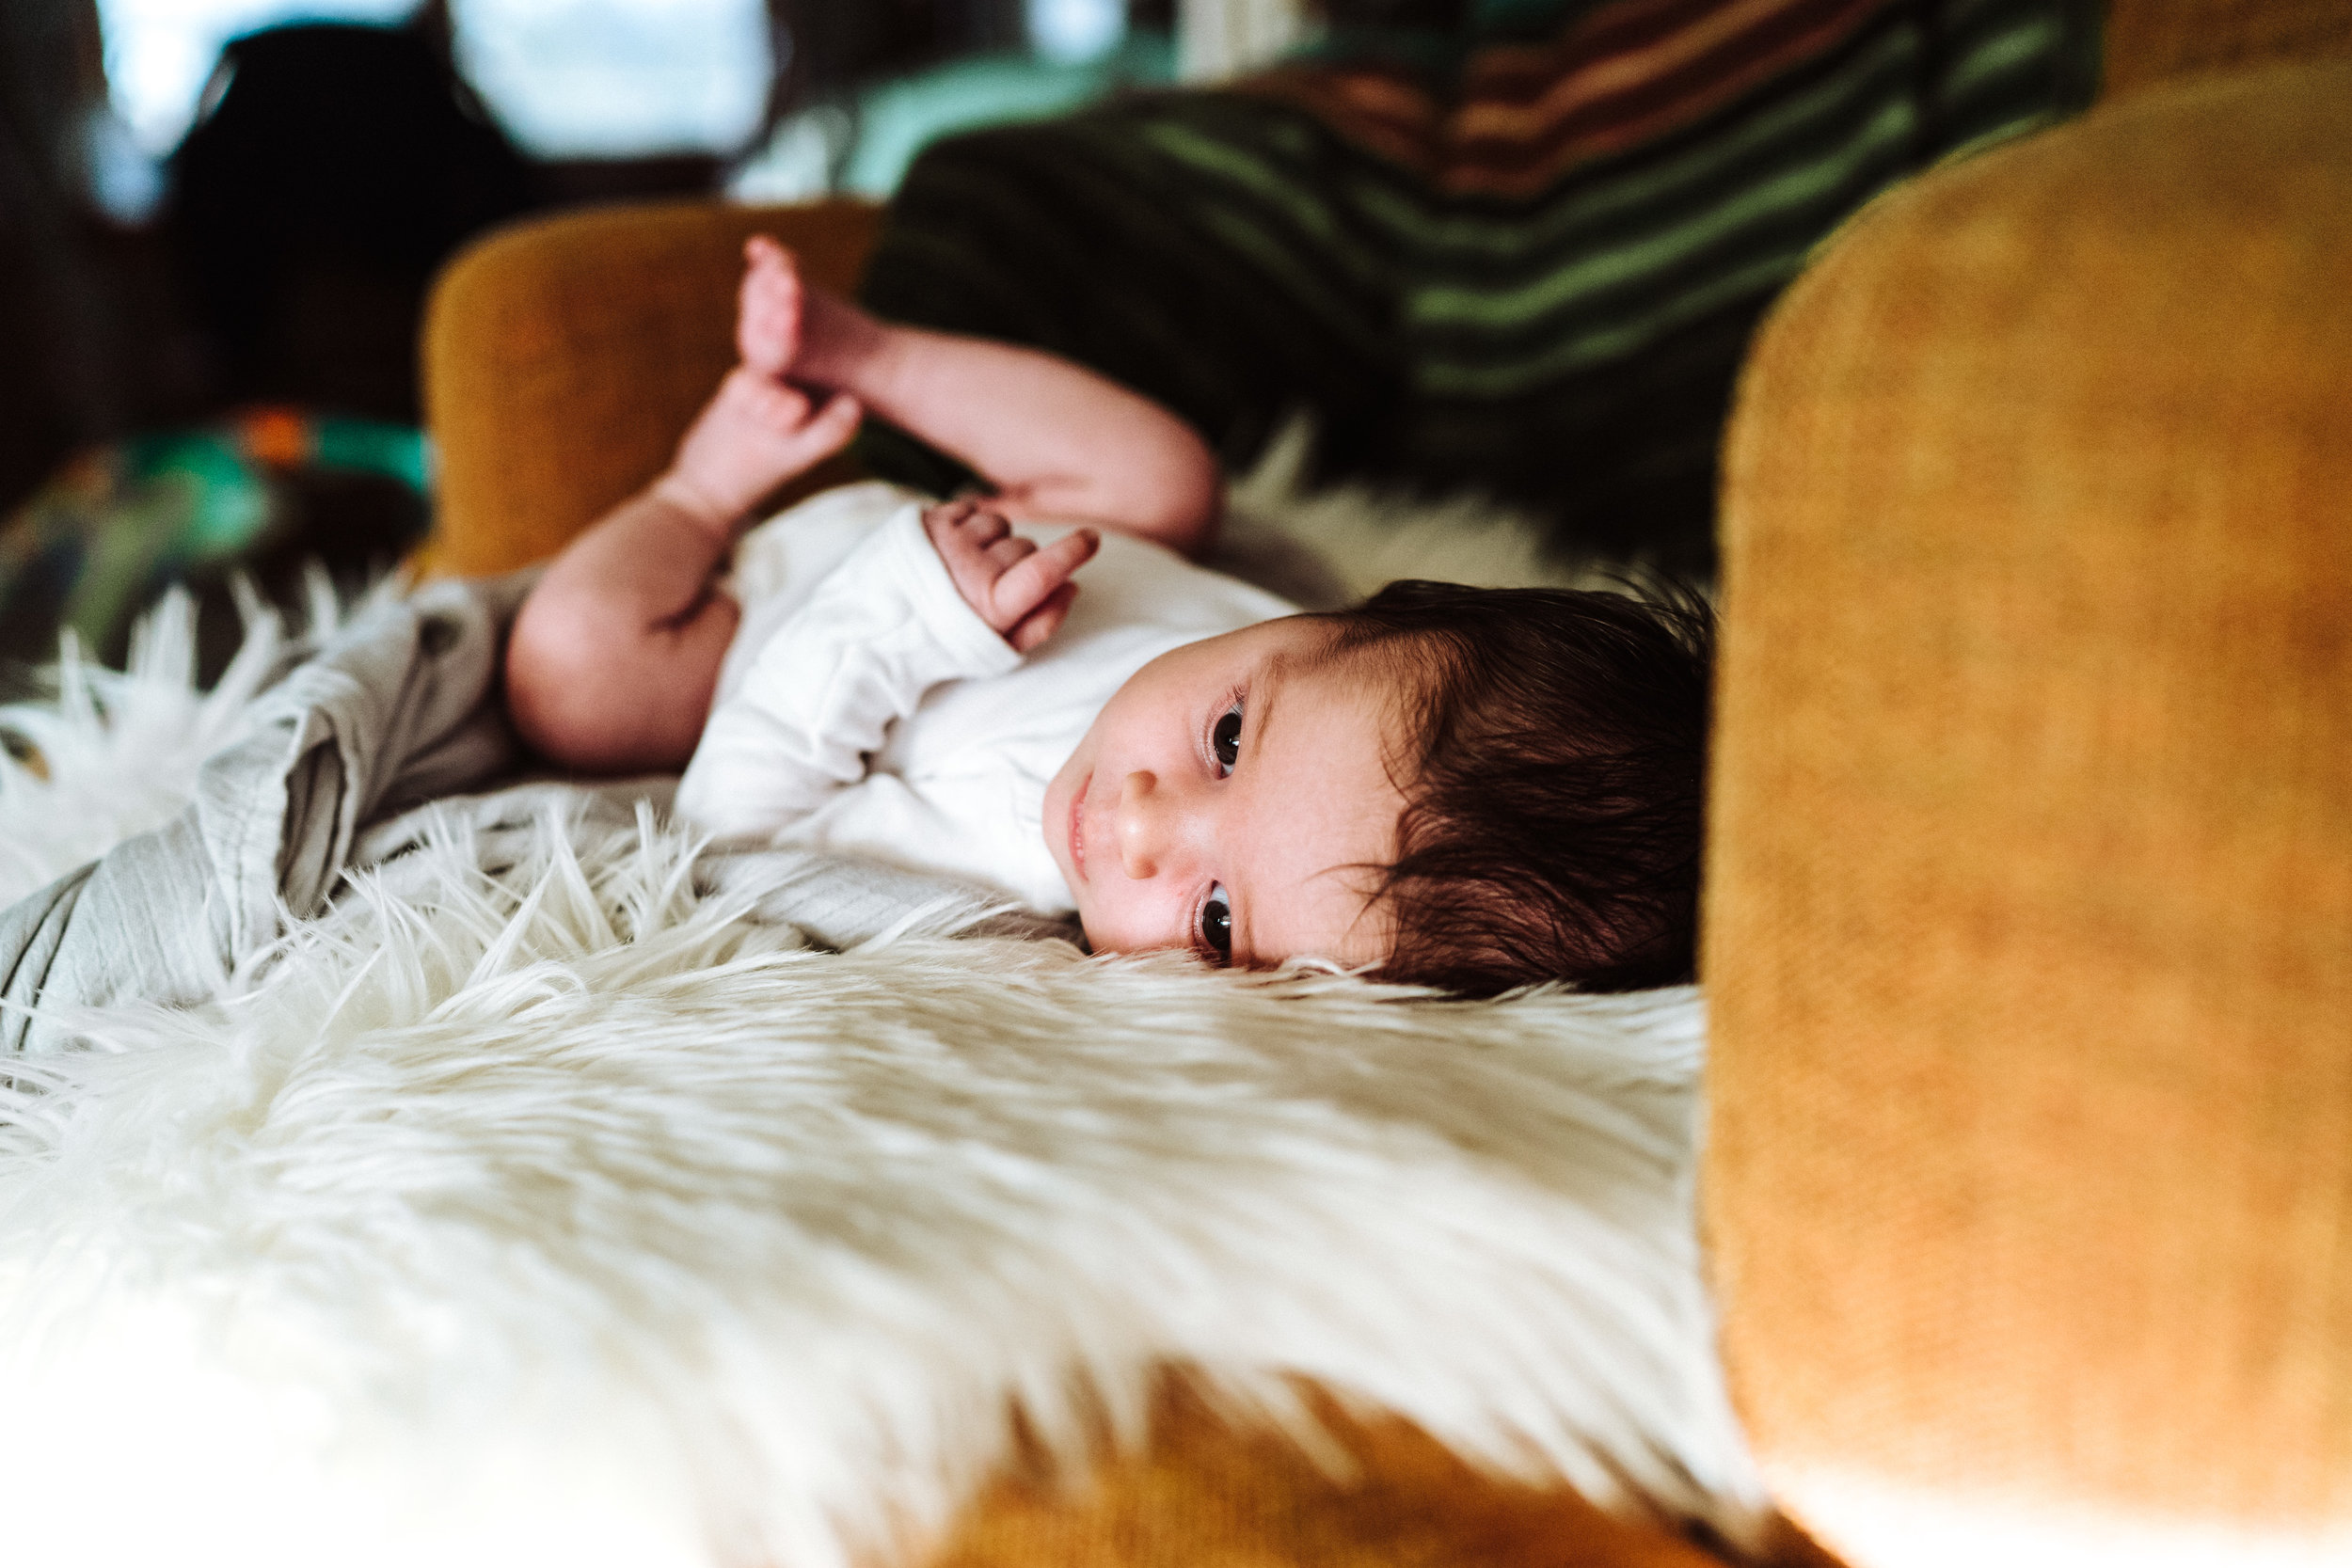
(1101, 934)
(1104, 934)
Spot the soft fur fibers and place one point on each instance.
(570, 1174)
(1356, 538)
(114, 752)
(557, 1217)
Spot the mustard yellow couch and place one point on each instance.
(2028, 1185)
(2028, 929)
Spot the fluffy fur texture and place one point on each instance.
(1365, 538)
(115, 753)
(566, 1215)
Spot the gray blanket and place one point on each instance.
(396, 714)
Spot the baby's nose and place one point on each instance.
(1143, 825)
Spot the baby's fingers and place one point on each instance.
(1010, 551)
(1045, 619)
(1030, 581)
(828, 430)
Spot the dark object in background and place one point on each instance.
(1395, 13)
(58, 388)
(375, 521)
(832, 47)
(266, 496)
(337, 168)
(1520, 255)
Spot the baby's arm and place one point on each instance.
(951, 595)
(616, 651)
(1053, 439)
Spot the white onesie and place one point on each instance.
(864, 707)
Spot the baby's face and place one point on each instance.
(1228, 798)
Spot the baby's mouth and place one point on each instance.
(1078, 827)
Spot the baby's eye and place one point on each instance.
(1216, 923)
(1225, 740)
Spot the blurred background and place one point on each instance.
(218, 219)
(1505, 250)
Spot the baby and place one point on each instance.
(1467, 788)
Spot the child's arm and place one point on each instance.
(616, 651)
(1053, 439)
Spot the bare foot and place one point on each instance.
(767, 308)
(787, 328)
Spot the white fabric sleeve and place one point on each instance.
(821, 696)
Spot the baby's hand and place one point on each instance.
(1021, 591)
(752, 436)
(761, 427)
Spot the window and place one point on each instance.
(161, 53)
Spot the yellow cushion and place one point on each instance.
(1206, 1495)
(2029, 911)
(563, 357)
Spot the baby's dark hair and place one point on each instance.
(1552, 753)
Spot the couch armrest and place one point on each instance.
(564, 356)
(2030, 908)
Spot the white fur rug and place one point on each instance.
(568, 1218)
